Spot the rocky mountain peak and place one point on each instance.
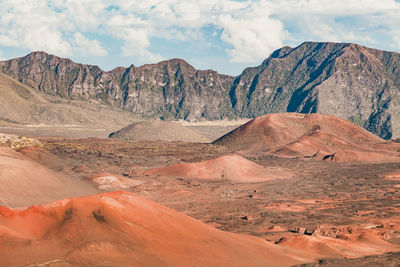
(349, 80)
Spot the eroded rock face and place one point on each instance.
(348, 80)
(352, 81)
(170, 89)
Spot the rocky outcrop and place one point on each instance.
(352, 81)
(170, 89)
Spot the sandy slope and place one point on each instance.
(121, 229)
(26, 182)
(25, 110)
(158, 130)
(43, 157)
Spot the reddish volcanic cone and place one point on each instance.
(309, 135)
(231, 167)
(121, 229)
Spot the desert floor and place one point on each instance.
(338, 195)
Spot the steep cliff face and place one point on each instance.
(170, 89)
(174, 89)
(59, 76)
(348, 80)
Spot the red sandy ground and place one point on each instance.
(323, 209)
(122, 229)
(346, 241)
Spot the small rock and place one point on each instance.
(300, 230)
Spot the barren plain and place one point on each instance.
(317, 212)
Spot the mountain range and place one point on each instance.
(348, 80)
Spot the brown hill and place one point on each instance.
(231, 167)
(25, 182)
(17, 101)
(23, 105)
(158, 130)
(309, 135)
(121, 229)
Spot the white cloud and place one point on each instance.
(368, 22)
(31, 25)
(8, 39)
(137, 43)
(249, 30)
(247, 27)
(252, 33)
(88, 47)
(396, 39)
(36, 25)
(136, 33)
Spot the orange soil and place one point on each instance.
(348, 241)
(231, 167)
(311, 135)
(393, 176)
(302, 205)
(25, 182)
(323, 204)
(362, 156)
(285, 207)
(121, 229)
(275, 228)
(315, 201)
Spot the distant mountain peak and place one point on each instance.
(349, 80)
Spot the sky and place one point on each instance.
(224, 35)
